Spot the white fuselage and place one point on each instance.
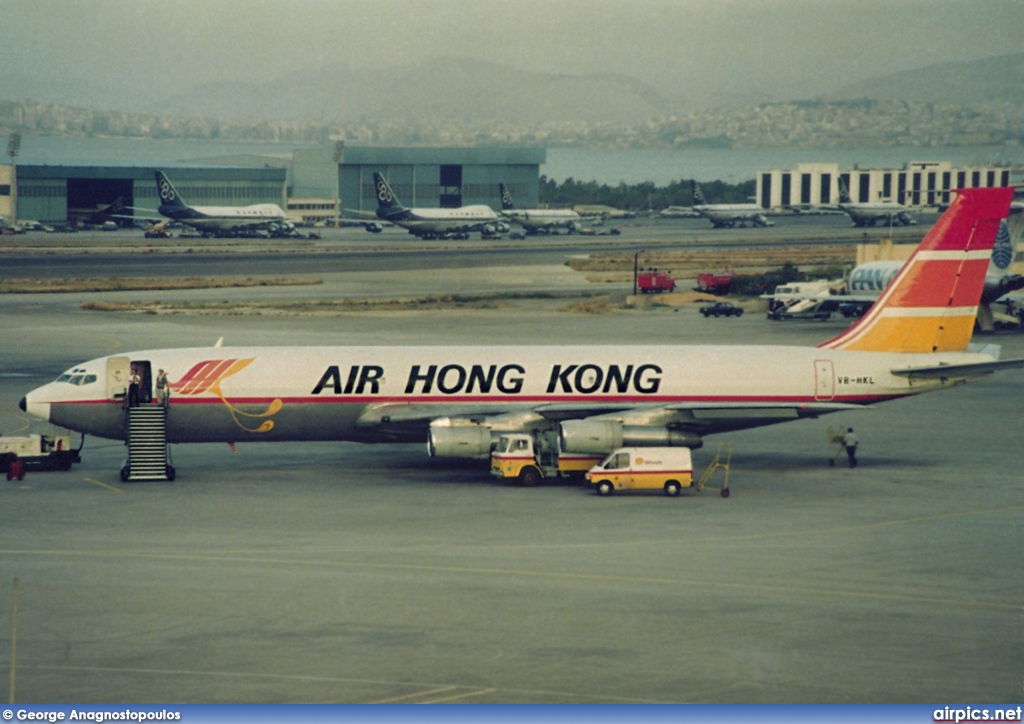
(392, 393)
(537, 219)
(869, 213)
(227, 218)
(439, 221)
(720, 214)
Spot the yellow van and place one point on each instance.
(669, 469)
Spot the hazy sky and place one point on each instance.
(791, 48)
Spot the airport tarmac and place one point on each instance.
(357, 574)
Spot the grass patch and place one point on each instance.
(687, 263)
(582, 302)
(130, 284)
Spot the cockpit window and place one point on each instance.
(77, 376)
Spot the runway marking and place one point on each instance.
(560, 695)
(478, 692)
(433, 550)
(414, 695)
(240, 557)
(26, 422)
(734, 538)
(103, 485)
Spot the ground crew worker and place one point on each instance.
(161, 387)
(850, 441)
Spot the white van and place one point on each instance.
(669, 469)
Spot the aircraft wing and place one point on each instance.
(358, 214)
(407, 421)
(707, 418)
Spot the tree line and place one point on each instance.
(641, 196)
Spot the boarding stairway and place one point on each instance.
(147, 445)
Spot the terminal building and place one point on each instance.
(917, 184)
(313, 184)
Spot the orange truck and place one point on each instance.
(531, 458)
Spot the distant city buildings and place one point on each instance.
(802, 124)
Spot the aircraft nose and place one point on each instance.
(35, 407)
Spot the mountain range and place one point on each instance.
(452, 89)
(992, 81)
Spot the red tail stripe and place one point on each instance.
(930, 282)
(200, 377)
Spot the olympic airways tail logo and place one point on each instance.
(166, 192)
(383, 192)
(206, 377)
(1002, 252)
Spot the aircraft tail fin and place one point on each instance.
(844, 193)
(170, 200)
(931, 304)
(506, 198)
(698, 195)
(387, 203)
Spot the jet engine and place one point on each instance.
(472, 442)
(373, 227)
(604, 436)
(281, 229)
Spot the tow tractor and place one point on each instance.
(42, 452)
(530, 458)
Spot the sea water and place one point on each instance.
(611, 167)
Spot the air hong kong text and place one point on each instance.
(508, 379)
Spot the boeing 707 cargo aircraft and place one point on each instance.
(459, 399)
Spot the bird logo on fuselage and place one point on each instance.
(207, 376)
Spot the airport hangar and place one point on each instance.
(314, 183)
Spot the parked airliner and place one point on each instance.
(729, 215)
(221, 220)
(431, 222)
(867, 281)
(536, 221)
(460, 398)
(868, 213)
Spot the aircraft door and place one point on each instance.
(118, 372)
(824, 380)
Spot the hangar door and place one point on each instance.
(94, 200)
(451, 187)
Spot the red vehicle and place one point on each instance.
(715, 283)
(654, 281)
